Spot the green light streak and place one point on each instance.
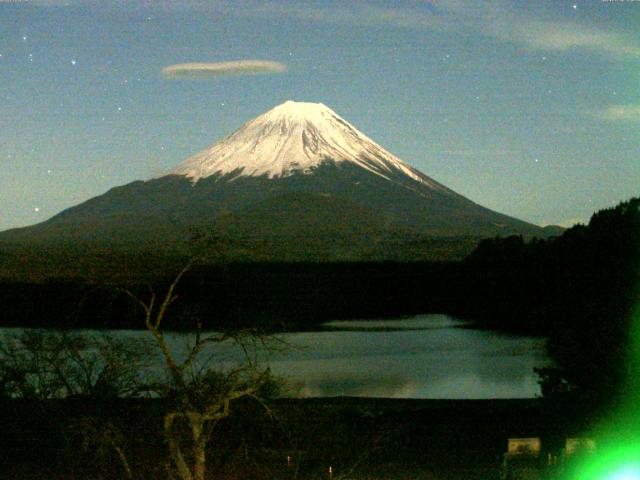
(631, 472)
(618, 448)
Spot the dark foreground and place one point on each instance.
(356, 437)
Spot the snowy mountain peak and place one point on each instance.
(290, 113)
(300, 110)
(295, 138)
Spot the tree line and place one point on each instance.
(189, 396)
(581, 289)
(578, 289)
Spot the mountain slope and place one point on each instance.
(297, 171)
(296, 137)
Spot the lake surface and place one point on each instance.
(427, 356)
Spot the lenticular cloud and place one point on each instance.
(220, 69)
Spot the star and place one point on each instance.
(119, 109)
(73, 62)
(24, 38)
(536, 160)
(36, 209)
(574, 6)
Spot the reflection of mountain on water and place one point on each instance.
(407, 362)
(420, 322)
(535, 348)
(427, 356)
(415, 381)
(403, 363)
(384, 387)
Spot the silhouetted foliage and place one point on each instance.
(48, 367)
(579, 288)
(40, 365)
(268, 294)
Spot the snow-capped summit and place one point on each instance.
(297, 182)
(295, 137)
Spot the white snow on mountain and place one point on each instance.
(296, 137)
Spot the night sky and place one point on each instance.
(531, 108)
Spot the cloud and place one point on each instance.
(222, 69)
(496, 19)
(529, 24)
(620, 113)
(563, 36)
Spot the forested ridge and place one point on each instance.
(578, 288)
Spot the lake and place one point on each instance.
(426, 356)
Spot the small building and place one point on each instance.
(522, 461)
(523, 446)
(525, 459)
(579, 446)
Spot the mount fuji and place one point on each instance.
(298, 175)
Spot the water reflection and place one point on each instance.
(428, 356)
(421, 322)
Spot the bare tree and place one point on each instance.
(201, 398)
(101, 439)
(42, 364)
(45, 365)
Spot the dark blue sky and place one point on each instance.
(531, 108)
